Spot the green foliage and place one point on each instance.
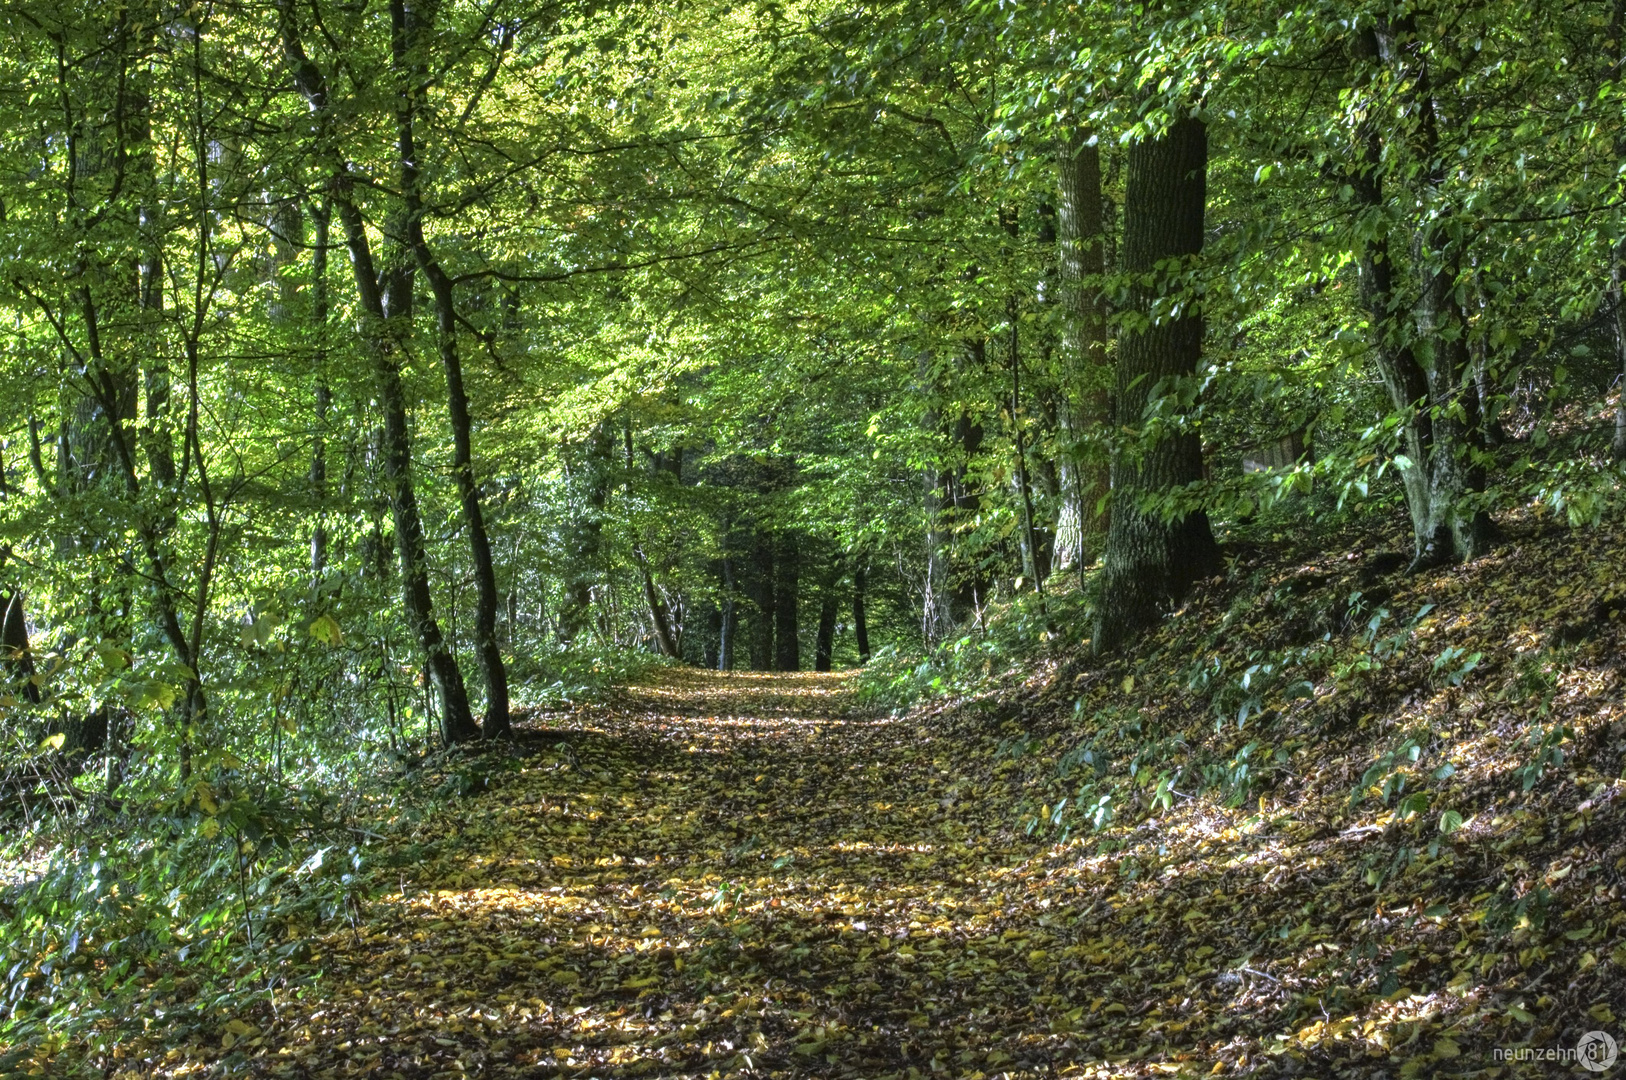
(198, 917)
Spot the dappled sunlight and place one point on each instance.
(744, 875)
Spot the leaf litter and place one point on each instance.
(1335, 854)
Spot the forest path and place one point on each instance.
(737, 875)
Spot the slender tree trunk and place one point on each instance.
(1426, 367)
(1397, 364)
(585, 536)
(385, 306)
(1617, 291)
(1151, 561)
(1030, 539)
(730, 619)
(860, 615)
(824, 647)
(664, 641)
(1085, 407)
(324, 394)
(1617, 252)
(408, 43)
(1456, 469)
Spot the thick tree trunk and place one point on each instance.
(1084, 412)
(1151, 561)
(787, 595)
(15, 658)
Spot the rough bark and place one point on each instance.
(16, 661)
(1151, 560)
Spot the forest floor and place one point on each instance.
(757, 876)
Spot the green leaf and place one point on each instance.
(325, 630)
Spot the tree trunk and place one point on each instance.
(664, 641)
(762, 595)
(1150, 562)
(407, 49)
(787, 593)
(1617, 252)
(1425, 367)
(729, 625)
(860, 615)
(1617, 292)
(324, 394)
(15, 658)
(1084, 411)
(824, 648)
(585, 533)
(385, 308)
(1031, 567)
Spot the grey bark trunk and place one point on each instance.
(1426, 367)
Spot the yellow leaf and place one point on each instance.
(1601, 1013)
(53, 742)
(1129, 683)
(1445, 1048)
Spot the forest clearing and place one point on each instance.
(877, 539)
